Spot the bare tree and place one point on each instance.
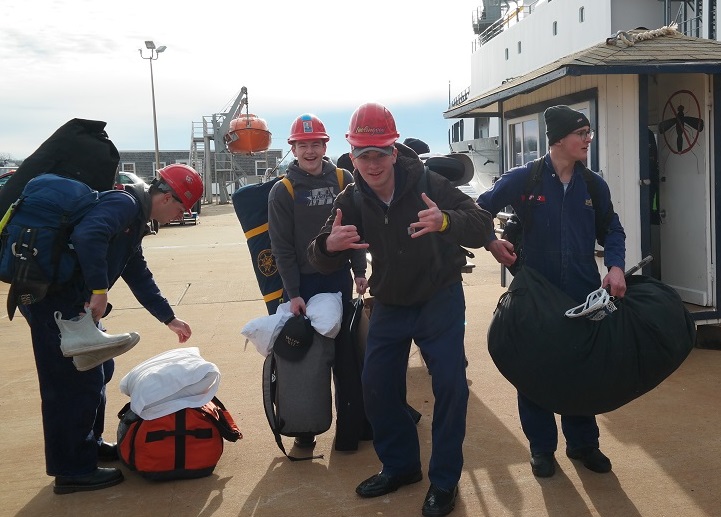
(7, 159)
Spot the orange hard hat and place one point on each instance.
(372, 125)
(185, 182)
(307, 127)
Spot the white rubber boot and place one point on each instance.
(88, 360)
(81, 335)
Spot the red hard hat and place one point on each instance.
(372, 125)
(185, 182)
(307, 127)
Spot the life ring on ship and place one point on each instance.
(247, 134)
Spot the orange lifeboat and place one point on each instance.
(247, 134)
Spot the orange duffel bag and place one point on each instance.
(183, 445)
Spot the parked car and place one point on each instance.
(123, 178)
(4, 177)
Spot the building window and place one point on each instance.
(457, 131)
(581, 14)
(519, 47)
(555, 28)
(184, 162)
(155, 167)
(128, 167)
(506, 54)
(524, 140)
(260, 166)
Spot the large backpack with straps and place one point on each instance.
(297, 394)
(251, 207)
(35, 249)
(513, 228)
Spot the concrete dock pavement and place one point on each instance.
(665, 446)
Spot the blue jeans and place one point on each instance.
(438, 328)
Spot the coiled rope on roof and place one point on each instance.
(630, 39)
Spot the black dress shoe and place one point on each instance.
(96, 480)
(382, 484)
(543, 464)
(108, 452)
(592, 458)
(439, 501)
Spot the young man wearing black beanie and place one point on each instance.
(559, 242)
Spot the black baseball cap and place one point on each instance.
(294, 339)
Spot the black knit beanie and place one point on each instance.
(562, 120)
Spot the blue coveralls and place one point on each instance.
(107, 241)
(558, 241)
(72, 402)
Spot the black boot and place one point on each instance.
(98, 479)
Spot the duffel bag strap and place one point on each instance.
(223, 420)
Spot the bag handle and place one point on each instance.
(222, 419)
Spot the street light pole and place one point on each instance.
(154, 52)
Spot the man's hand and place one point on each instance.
(297, 305)
(361, 284)
(430, 220)
(343, 237)
(97, 306)
(615, 281)
(502, 251)
(181, 328)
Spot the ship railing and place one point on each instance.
(510, 18)
(691, 27)
(460, 98)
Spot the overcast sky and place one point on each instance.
(63, 59)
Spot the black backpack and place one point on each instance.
(79, 149)
(513, 228)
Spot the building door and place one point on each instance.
(685, 186)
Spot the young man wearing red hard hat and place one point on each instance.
(297, 209)
(413, 222)
(107, 242)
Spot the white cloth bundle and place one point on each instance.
(325, 311)
(171, 381)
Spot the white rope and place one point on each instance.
(630, 39)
